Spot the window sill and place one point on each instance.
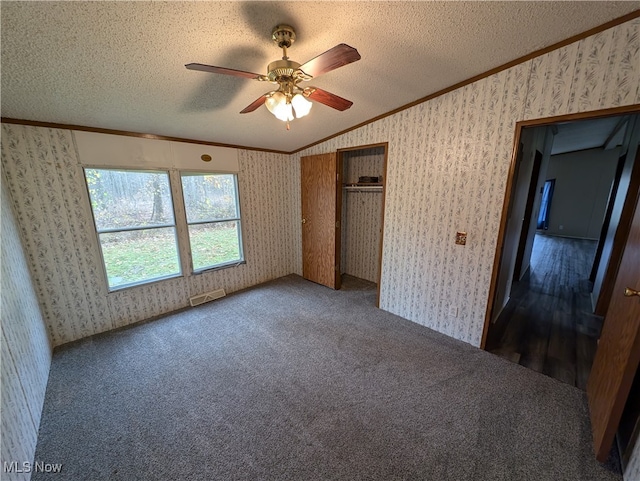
(219, 267)
(123, 287)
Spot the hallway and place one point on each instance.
(548, 324)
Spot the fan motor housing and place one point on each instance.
(283, 35)
(281, 68)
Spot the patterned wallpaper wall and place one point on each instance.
(447, 168)
(361, 163)
(47, 189)
(361, 215)
(26, 352)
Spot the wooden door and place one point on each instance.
(618, 353)
(321, 208)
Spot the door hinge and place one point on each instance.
(337, 224)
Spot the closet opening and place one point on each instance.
(363, 172)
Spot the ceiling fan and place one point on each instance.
(290, 100)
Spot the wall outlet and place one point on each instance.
(453, 311)
(560, 227)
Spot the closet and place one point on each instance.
(363, 175)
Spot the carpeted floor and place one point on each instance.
(293, 381)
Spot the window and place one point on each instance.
(213, 219)
(545, 204)
(133, 215)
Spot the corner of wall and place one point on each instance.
(25, 346)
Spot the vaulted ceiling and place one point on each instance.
(120, 65)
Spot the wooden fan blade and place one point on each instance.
(225, 71)
(329, 99)
(330, 60)
(254, 105)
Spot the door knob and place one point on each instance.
(304, 221)
(628, 292)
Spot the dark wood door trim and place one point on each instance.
(384, 196)
(593, 114)
(384, 145)
(338, 230)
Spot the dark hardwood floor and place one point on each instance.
(548, 324)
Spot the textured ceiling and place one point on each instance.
(120, 65)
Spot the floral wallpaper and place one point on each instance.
(25, 349)
(47, 188)
(448, 162)
(447, 166)
(598, 72)
(447, 169)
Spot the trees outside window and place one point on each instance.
(133, 215)
(213, 219)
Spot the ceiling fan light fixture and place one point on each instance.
(278, 106)
(286, 112)
(290, 101)
(301, 105)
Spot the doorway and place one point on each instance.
(566, 180)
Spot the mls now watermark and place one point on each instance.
(27, 467)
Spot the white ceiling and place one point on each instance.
(120, 65)
(589, 134)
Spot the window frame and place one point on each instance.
(98, 231)
(223, 265)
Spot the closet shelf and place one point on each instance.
(363, 187)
